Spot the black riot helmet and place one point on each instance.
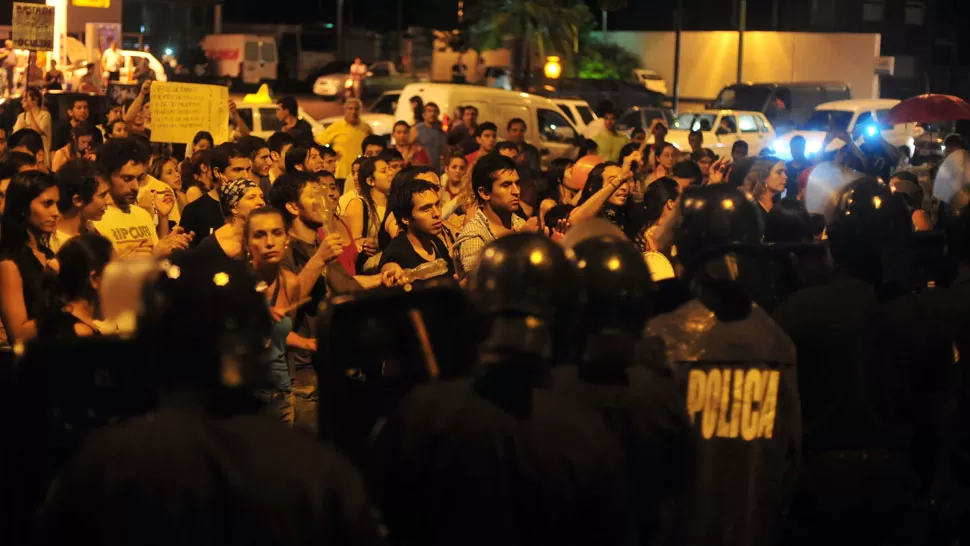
(619, 290)
(619, 296)
(869, 229)
(715, 221)
(205, 325)
(527, 295)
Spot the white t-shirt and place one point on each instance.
(132, 233)
(113, 60)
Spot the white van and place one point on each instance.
(249, 58)
(547, 128)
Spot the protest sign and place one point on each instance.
(33, 27)
(180, 110)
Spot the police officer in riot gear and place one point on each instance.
(498, 458)
(208, 467)
(634, 393)
(737, 369)
(875, 371)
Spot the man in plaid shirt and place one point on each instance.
(495, 182)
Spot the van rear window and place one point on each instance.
(742, 97)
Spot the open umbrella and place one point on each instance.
(929, 109)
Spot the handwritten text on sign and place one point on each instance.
(33, 27)
(180, 110)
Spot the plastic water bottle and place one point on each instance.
(424, 271)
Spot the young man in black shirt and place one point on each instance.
(204, 215)
(416, 206)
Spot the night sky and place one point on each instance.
(382, 14)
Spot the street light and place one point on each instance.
(553, 69)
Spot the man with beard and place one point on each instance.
(258, 152)
(129, 227)
(313, 260)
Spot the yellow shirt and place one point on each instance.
(346, 140)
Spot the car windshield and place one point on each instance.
(387, 104)
(742, 97)
(823, 120)
(695, 122)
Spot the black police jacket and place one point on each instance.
(742, 399)
(182, 477)
(645, 410)
(493, 460)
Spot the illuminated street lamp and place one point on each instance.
(553, 69)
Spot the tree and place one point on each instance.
(601, 60)
(533, 27)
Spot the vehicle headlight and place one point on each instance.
(780, 146)
(813, 147)
(348, 83)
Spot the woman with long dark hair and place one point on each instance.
(81, 146)
(655, 236)
(196, 175)
(556, 192)
(366, 213)
(202, 141)
(29, 219)
(74, 312)
(608, 190)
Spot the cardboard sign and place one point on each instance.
(180, 110)
(33, 27)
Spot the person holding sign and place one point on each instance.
(35, 118)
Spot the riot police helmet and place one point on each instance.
(205, 324)
(869, 223)
(715, 221)
(619, 290)
(527, 295)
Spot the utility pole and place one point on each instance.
(340, 29)
(741, 24)
(678, 24)
(605, 30)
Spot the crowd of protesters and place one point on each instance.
(672, 348)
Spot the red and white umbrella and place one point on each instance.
(929, 109)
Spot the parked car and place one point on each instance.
(651, 80)
(380, 115)
(853, 116)
(578, 111)
(722, 128)
(381, 76)
(786, 105)
(640, 117)
(548, 128)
